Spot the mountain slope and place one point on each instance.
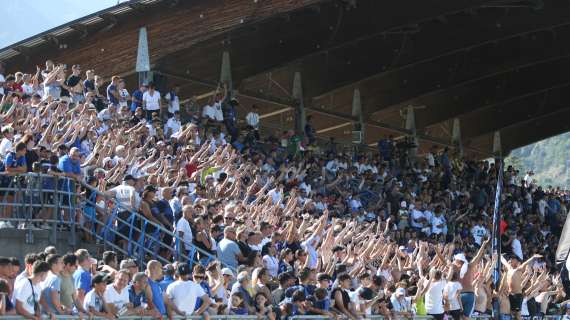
(549, 159)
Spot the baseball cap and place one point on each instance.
(227, 272)
(400, 292)
(99, 278)
(183, 269)
(366, 293)
(323, 277)
(129, 177)
(150, 187)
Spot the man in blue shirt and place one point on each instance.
(137, 97)
(82, 276)
(139, 292)
(70, 164)
(168, 271)
(14, 163)
(154, 273)
(112, 92)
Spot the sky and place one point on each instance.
(25, 18)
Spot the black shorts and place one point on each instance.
(455, 314)
(437, 316)
(516, 302)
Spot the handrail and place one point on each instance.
(61, 187)
(160, 227)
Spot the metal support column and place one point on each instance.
(497, 147)
(143, 60)
(226, 73)
(456, 136)
(300, 116)
(411, 125)
(358, 126)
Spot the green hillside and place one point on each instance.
(549, 159)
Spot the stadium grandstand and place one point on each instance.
(279, 159)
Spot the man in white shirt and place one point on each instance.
(183, 229)
(26, 295)
(173, 125)
(117, 295)
(173, 101)
(6, 143)
(438, 223)
(252, 120)
(183, 294)
(479, 232)
(151, 101)
(94, 302)
(517, 247)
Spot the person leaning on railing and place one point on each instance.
(14, 163)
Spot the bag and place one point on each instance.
(36, 304)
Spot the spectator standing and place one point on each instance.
(184, 293)
(229, 252)
(140, 295)
(151, 101)
(252, 120)
(310, 131)
(173, 125)
(51, 287)
(434, 295)
(95, 303)
(154, 274)
(124, 95)
(67, 293)
(82, 276)
(27, 292)
(117, 295)
(173, 101)
(230, 119)
(452, 296)
(168, 271)
(73, 82)
(137, 98)
(112, 91)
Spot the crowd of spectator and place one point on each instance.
(284, 227)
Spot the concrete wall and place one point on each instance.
(18, 243)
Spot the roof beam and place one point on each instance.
(533, 106)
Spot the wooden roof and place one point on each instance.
(497, 65)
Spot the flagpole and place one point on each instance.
(496, 238)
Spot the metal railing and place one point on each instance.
(28, 195)
(234, 317)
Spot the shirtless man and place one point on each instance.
(466, 278)
(515, 270)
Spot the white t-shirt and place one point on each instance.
(174, 126)
(209, 112)
(92, 299)
(183, 226)
(124, 94)
(5, 147)
(173, 104)
(118, 299)
(434, 298)
(152, 101)
(123, 194)
(435, 221)
(451, 289)
(517, 248)
(416, 215)
(184, 295)
(478, 233)
(23, 292)
(272, 265)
